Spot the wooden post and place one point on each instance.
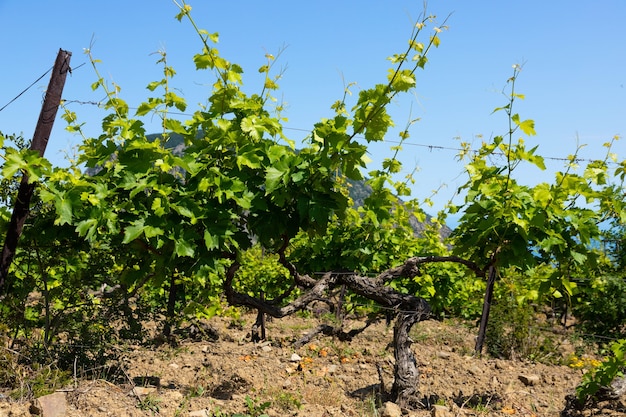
(262, 317)
(40, 141)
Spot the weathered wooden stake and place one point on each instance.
(40, 141)
(262, 317)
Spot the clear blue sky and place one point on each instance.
(574, 56)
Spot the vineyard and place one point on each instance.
(218, 229)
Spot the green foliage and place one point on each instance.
(261, 271)
(287, 401)
(255, 409)
(451, 291)
(614, 242)
(525, 226)
(150, 403)
(514, 333)
(170, 220)
(26, 381)
(600, 305)
(157, 221)
(551, 228)
(604, 374)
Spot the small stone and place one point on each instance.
(286, 383)
(529, 380)
(390, 409)
(173, 365)
(440, 411)
(266, 349)
(332, 369)
(295, 358)
(142, 391)
(475, 370)
(52, 405)
(443, 355)
(200, 413)
(174, 396)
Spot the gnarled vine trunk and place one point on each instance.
(406, 374)
(409, 310)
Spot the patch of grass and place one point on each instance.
(514, 333)
(326, 397)
(255, 407)
(370, 405)
(285, 400)
(27, 381)
(150, 403)
(170, 352)
(195, 392)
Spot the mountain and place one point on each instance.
(359, 191)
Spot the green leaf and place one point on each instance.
(150, 231)
(145, 108)
(527, 126)
(578, 257)
(64, 210)
(174, 125)
(13, 162)
(172, 99)
(183, 247)
(134, 231)
(153, 85)
(204, 61)
(250, 159)
(248, 125)
(569, 286)
(402, 80)
(273, 178)
(87, 228)
(542, 194)
(392, 165)
(211, 241)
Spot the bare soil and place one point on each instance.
(325, 377)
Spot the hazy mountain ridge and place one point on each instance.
(359, 191)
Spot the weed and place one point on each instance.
(603, 373)
(286, 401)
(30, 381)
(238, 324)
(514, 333)
(256, 409)
(370, 405)
(150, 403)
(195, 392)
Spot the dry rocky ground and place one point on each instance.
(324, 377)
